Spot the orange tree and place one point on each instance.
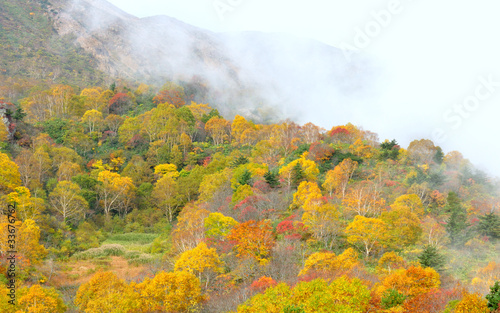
(253, 239)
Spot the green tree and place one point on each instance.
(245, 178)
(489, 225)
(439, 156)
(431, 257)
(392, 298)
(457, 223)
(297, 174)
(494, 297)
(271, 179)
(389, 150)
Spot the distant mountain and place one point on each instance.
(255, 74)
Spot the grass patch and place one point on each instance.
(133, 241)
(101, 252)
(142, 259)
(131, 238)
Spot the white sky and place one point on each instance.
(432, 55)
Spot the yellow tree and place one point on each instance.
(91, 98)
(67, 170)
(189, 230)
(410, 201)
(217, 225)
(40, 300)
(265, 152)
(170, 292)
(59, 100)
(472, 303)
(389, 262)
(166, 195)
(306, 192)
(27, 243)
(364, 198)
(329, 263)
(308, 167)
(403, 227)
(93, 119)
(113, 189)
(322, 220)
(5, 306)
(199, 110)
(286, 136)
(168, 125)
(359, 149)
(27, 207)
(238, 128)
(186, 144)
(241, 193)
(201, 261)
(211, 183)
(341, 295)
(43, 105)
(67, 202)
(166, 169)
(370, 233)
(320, 217)
(150, 127)
(9, 174)
(218, 128)
(4, 132)
(105, 292)
(60, 155)
(412, 281)
(129, 128)
(338, 178)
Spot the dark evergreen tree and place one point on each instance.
(245, 178)
(494, 297)
(389, 150)
(272, 179)
(239, 161)
(439, 156)
(489, 225)
(297, 174)
(431, 257)
(457, 223)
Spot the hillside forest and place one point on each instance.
(132, 198)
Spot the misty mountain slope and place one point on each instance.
(155, 48)
(31, 49)
(262, 76)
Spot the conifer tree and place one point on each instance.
(457, 223)
(431, 257)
